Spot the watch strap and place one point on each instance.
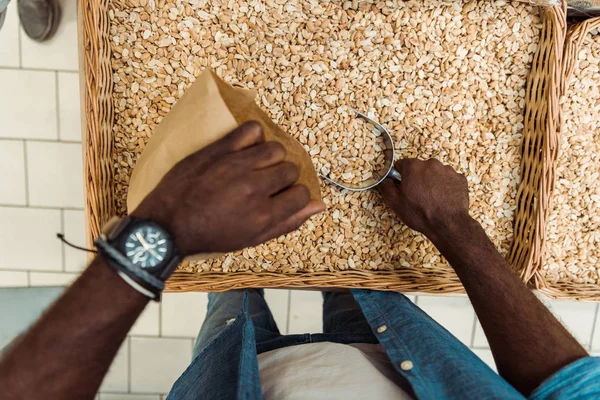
(123, 265)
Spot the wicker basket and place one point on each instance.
(538, 152)
(573, 44)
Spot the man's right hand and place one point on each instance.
(237, 192)
(431, 197)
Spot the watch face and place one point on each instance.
(146, 246)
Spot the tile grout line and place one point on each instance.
(26, 169)
(42, 140)
(472, 343)
(42, 207)
(34, 69)
(50, 271)
(62, 245)
(594, 324)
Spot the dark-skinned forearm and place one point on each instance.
(527, 341)
(68, 351)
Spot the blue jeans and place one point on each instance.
(239, 325)
(343, 321)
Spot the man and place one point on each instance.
(39, 18)
(239, 192)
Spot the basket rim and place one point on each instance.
(569, 290)
(95, 66)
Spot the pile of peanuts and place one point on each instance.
(447, 78)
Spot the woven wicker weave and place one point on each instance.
(573, 44)
(540, 145)
(533, 192)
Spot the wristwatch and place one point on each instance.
(141, 251)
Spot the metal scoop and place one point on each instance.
(387, 171)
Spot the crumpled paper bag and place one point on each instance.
(208, 110)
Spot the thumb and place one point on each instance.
(294, 221)
(390, 190)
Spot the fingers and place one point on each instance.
(289, 202)
(262, 155)
(390, 190)
(274, 179)
(293, 221)
(246, 135)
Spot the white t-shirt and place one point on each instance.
(329, 371)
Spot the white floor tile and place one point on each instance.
(148, 324)
(183, 313)
(578, 318)
(9, 38)
(306, 312)
(55, 174)
(13, 279)
(117, 378)
(28, 104)
(60, 52)
(278, 301)
(69, 108)
(28, 239)
(454, 313)
(596, 338)
(12, 171)
(479, 339)
(74, 224)
(52, 278)
(113, 396)
(156, 363)
(487, 357)
(411, 297)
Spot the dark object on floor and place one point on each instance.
(39, 18)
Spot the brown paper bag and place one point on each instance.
(208, 110)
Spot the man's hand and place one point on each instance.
(528, 343)
(235, 193)
(430, 197)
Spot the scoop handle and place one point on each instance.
(395, 175)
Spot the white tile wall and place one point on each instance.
(575, 317)
(28, 239)
(59, 53)
(51, 278)
(55, 174)
(306, 312)
(596, 337)
(479, 339)
(9, 39)
(14, 279)
(28, 104)
(69, 106)
(117, 378)
(74, 230)
(148, 324)
(183, 313)
(279, 303)
(157, 363)
(13, 189)
(40, 114)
